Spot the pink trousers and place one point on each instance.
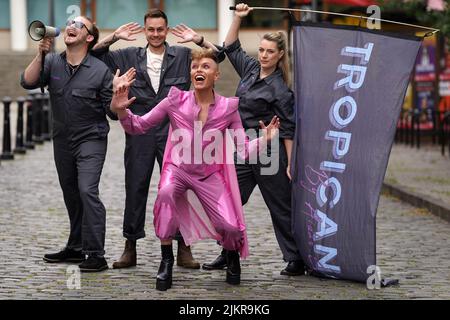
(214, 197)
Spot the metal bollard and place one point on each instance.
(6, 154)
(45, 118)
(20, 148)
(37, 119)
(445, 132)
(50, 115)
(29, 144)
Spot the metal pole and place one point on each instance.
(45, 118)
(51, 18)
(29, 144)
(37, 119)
(433, 30)
(6, 154)
(314, 8)
(20, 148)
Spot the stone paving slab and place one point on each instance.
(420, 177)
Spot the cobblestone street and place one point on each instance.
(413, 246)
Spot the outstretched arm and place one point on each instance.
(126, 32)
(242, 10)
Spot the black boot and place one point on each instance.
(233, 267)
(294, 268)
(93, 263)
(66, 255)
(218, 264)
(129, 256)
(164, 277)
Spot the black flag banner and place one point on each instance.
(350, 84)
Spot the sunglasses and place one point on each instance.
(78, 25)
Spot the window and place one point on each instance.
(5, 21)
(197, 14)
(63, 10)
(113, 13)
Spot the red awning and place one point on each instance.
(360, 3)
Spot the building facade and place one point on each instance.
(211, 17)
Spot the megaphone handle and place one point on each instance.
(41, 76)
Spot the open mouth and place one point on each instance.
(71, 34)
(200, 78)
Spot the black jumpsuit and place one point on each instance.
(80, 100)
(141, 151)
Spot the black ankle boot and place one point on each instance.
(164, 277)
(219, 263)
(233, 267)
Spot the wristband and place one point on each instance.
(201, 42)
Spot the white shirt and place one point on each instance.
(154, 65)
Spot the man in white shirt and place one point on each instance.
(159, 67)
(154, 65)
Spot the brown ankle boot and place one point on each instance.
(128, 258)
(184, 257)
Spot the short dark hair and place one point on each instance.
(94, 32)
(198, 54)
(156, 13)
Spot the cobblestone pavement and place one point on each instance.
(413, 246)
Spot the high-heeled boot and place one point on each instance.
(233, 267)
(164, 277)
(219, 263)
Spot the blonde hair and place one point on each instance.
(198, 54)
(280, 38)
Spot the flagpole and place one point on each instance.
(434, 30)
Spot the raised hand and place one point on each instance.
(121, 86)
(242, 10)
(272, 129)
(45, 45)
(126, 79)
(120, 101)
(128, 31)
(186, 34)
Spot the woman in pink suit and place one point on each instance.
(198, 191)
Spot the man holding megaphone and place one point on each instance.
(80, 89)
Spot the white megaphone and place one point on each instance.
(38, 31)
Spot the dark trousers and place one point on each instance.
(276, 191)
(79, 169)
(140, 154)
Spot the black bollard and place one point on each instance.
(418, 129)
(37, 119)
(45, 118)
(20, 148)
(402, 125)
(50, 115)
(29, 144)
(6, 153)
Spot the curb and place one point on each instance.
(436, 207)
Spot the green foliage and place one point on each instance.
(418, 10)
